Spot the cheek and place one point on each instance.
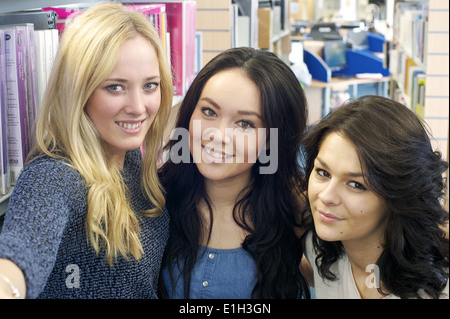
(100, 109)
(248, 146)
(153, 104)
(312, 189)
(372, 210)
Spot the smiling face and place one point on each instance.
(343, 207)
(224, 127)
(123, 107)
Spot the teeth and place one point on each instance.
(215, 154)
(130, 126)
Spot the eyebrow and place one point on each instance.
(349, 174)
(120, 80)
(242, 112)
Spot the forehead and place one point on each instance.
(232, 88)
(339, 154)
(137, 54)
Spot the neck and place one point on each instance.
(360, 256)
(224, 194)
(225, 232)
(365, 272)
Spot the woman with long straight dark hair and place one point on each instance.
(375, 189)
(234, 184)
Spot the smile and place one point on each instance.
(217, 155)
(130, 125)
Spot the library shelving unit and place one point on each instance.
(421, 49)
(232, 23)
(218, 25)
(421, 54)
(274, 32)
(182, 59)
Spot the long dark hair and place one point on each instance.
(269, 209)
(401, 167)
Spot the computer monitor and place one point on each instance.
(335, 54)
(325, 32)
(357, 38)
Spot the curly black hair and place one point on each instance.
(400, 165)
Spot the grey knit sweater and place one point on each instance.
(44, 234)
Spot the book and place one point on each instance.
(46, 46)
(249, 8)
(181, 24)
(41, 20)
(61, 14)
(17, 113)
(418, 95)
(198, 51)
(410, 26)
(31, 82)
(5, 181)
(156, 14)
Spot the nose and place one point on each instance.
(329, 194)
(220, 134)
(135, 103)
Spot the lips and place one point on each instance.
(130, 125)
(328, 218)
(215, 157)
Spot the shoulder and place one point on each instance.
(308, 247)
(48, 168)
(47, 177)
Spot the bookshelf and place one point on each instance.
(168, 15)
(408, 57)
(213, 22)
(217, 25)
(431, 60)
(274, 32)
(231, 23)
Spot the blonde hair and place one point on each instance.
(87, 54)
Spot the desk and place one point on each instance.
(319, 93)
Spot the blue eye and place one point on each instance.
(208, 112)
(151, 86)
(115, 88)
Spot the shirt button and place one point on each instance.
(211, 256)
(205, 283)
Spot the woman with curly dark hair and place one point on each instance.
(234, 209)
(374, 190)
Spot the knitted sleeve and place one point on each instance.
(39, 208)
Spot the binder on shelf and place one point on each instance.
(249, 8)
(181, 24)
(410, 27)
(61, 14)
(46, 45)
(418, 95)
(17, 113)
(5, 181)
(156, 13)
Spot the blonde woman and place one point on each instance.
(84, 220)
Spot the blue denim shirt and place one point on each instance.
(218, 274)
